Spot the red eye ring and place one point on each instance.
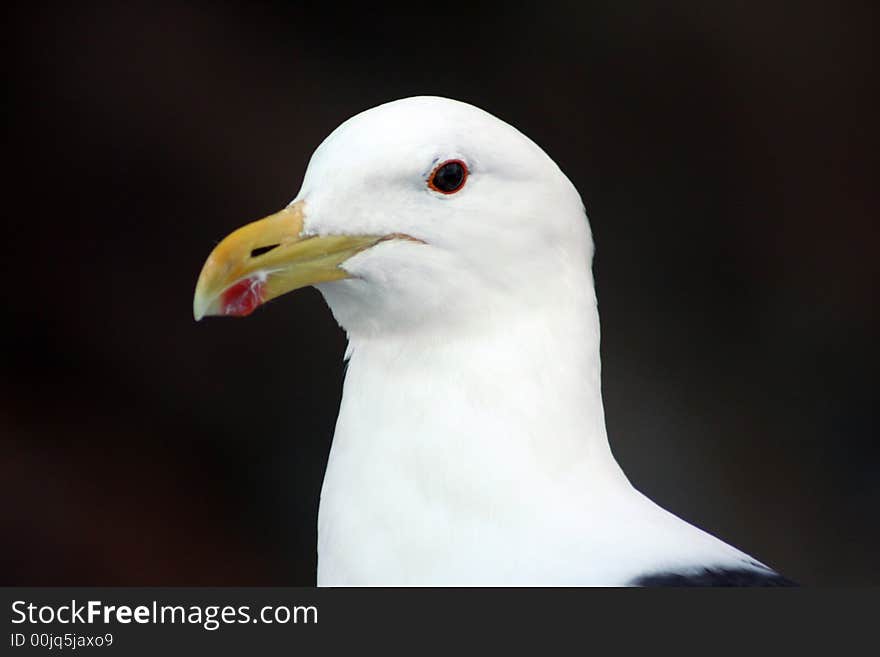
(448, 177)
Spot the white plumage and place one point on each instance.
(470, 447)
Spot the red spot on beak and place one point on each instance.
(242, 298)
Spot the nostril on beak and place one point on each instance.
(263, 249)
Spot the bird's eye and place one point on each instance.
(448, 177)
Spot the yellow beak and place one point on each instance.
(268, 258)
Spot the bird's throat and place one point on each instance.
(522, 403)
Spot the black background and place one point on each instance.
(723, 152)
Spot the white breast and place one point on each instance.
(451, 465)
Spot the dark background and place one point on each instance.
(723, 156)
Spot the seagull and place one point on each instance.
(470, 447)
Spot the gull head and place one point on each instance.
(422, 212)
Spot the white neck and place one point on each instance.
(485, 391)
(443, 451)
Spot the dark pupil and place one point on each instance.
(448, 177)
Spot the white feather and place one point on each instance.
(471, 446)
